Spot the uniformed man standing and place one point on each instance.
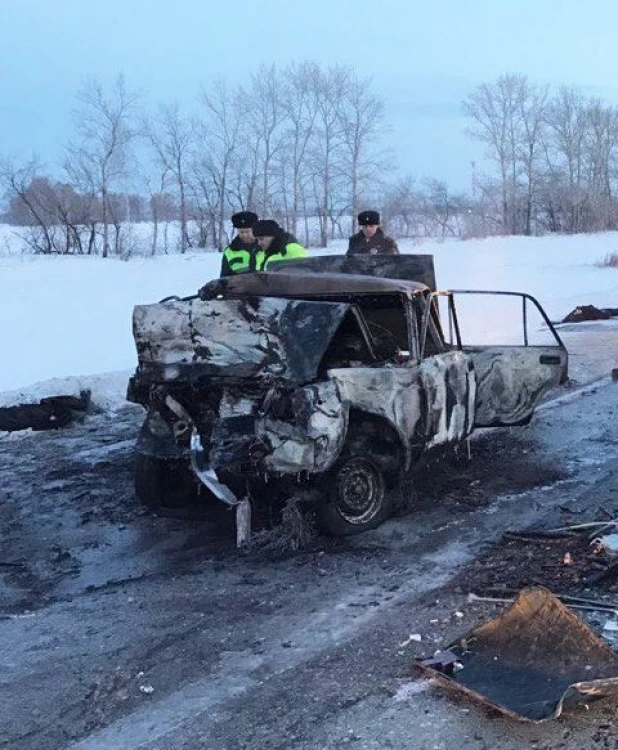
(371, 240)
(241, 254)
(275, 244)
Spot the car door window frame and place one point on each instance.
(430, 323)
(525, 298)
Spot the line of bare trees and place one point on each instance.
(305, 144)
(553, 158)
(300, 144)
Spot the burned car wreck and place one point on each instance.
(331, 372)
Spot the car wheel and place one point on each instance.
(164, 483)
(354, 498)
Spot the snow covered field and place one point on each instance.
(71, 317)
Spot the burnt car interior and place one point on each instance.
(373, 333)
(351, 346)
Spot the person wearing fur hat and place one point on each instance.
(371, 240)
(241, 254)
(275, 244)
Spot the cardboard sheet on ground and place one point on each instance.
(530, 662)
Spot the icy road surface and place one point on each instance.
(119, 629)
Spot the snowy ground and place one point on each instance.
(71, 317)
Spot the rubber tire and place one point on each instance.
(164, 483)
(331, 511)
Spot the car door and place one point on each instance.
(511, 377)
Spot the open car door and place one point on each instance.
(516, 352)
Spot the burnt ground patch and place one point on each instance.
(567, 565)
(70, 523)
(68, 507)
(560, 551)
(575, 565)
(502, 461)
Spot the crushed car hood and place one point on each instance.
(236, 338)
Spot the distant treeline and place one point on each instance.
(305, 144)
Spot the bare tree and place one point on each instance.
(105, 132)
(496, 113)
(298, 102)
(400, 206)
(264, 119)
(220, 131)
(330, 88)
(25, 205)
(172, 139)
(156, 200)
(601, 146)
(533, 102)
(361, 115)
(564, 152)
(55, 218)
(442, 209)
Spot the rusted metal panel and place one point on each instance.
(530, 662)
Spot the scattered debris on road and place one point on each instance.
(564, 559)
(515, 664)
(49, 413)
(412, 638)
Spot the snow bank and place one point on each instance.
(70, 318)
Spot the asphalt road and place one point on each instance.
(119, 629)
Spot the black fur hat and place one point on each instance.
(368, 217)
(244, 219)
(266, 228)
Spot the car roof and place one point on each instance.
(308, 284)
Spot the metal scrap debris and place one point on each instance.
(515, 664)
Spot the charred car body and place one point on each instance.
(331, 371)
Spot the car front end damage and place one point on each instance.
(232, 387)
(239, 442)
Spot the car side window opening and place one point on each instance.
(375, 331)
(490, 318)
(350, 346)
(386, 320)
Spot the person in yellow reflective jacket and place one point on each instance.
(241, 254)
(276, 245)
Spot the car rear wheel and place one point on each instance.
(354, 497)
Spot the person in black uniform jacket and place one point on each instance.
(371, 240)
(241, 254)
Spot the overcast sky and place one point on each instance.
(424, 57)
